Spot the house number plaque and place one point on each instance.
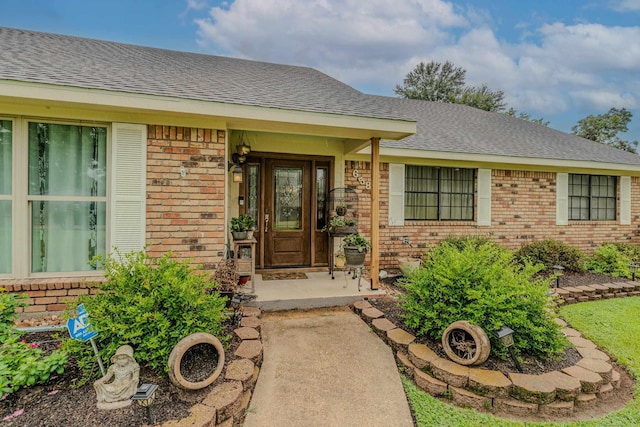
(367, 184)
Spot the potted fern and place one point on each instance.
(355, 247)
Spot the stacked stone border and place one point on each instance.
(571, 294)
(227, 402)
(552, 394)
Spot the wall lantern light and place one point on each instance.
(145, 394)
(633, 267)
(505, 335)
(238, 158)
(559, 269)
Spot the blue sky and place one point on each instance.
(560, 60)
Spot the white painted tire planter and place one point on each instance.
(178, 352)
(466, 343)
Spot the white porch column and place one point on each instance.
(375, 212)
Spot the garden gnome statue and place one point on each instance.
(115, 389)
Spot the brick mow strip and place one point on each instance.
(552, 394)
(226, 403)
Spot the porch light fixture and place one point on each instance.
(238, 158)
(559, 269)
(633, 267)
(145, 394)
(505, 335)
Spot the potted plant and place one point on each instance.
(240, 225)
(339, 259)
(355, 248)
(410, 263)
(341, 225)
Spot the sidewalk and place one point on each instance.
(325, 368)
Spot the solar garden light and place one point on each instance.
(505, 335)
(145, 394)
(559, 269)
(633, 267)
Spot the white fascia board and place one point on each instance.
(363, 127)
(495, 160)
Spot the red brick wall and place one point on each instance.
(186, 214)
(523, 209)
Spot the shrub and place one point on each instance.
(22, 364)
(612, 260)
(150, 304)
(482, 284)
(550, 252)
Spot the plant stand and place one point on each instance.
(356, 273)
(332, 236)
(245, 256)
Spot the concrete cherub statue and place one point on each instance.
(115, 389)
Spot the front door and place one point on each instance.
(287, 236)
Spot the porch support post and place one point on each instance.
(375, 212)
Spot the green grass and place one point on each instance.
(614, 325)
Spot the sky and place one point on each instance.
(560, 60)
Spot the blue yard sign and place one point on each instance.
(79, 327)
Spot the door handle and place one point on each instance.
(266, 222)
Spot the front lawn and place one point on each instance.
(611, 324)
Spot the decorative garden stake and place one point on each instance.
(633, 267)
(505, 335)
(145, 395)
(559, 269)
(80, 329)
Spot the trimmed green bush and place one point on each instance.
(481, 283)
(550, 252)
(612, 260)
(150, 304)
(22, 364)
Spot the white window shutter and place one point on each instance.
(625, 200)
(484, 197)
(396, 194)
(562, 198)
(128, 187)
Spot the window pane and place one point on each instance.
(66, 160)
(66, 235)
(252, 191)
(5, 156)
(288, 199)
(5, 236)
(322, 186)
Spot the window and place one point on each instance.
(592, 197)
(435, 193)
(67, 196)
(6, 183)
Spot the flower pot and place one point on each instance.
(347, 229)
(339, 262)
(408, 264)
(353, 257)
(239, 235)
(249, 234)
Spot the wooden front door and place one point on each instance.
(287, 231)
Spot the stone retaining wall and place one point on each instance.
(226, 403)
(556, 394)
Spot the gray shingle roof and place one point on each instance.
(30, 56)
(461, 129)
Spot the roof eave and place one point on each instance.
(236, 116)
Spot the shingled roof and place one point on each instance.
(459, 128)
(29, 56)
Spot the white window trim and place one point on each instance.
(562, 198)
(625, 200)
(396, 194)
(484, 198)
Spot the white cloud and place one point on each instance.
(626, 5)
(372, 45)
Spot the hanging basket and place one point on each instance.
(353, 257)
(345, 230)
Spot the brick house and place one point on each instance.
(106, 145)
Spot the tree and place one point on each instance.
(525, 116)
(446, 83)
(433, 82)
(604, 128)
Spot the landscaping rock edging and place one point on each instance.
(556, 394)
(227, 402)
(571, 294)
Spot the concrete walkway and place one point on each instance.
(325, 368)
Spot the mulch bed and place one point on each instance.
(62, 403)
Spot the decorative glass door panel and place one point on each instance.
(288, 199)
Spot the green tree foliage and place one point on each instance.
(150, 304)
(511, 112)
(439, 82)
(482, 284)
(604, 128)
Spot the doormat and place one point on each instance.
(283, 276)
